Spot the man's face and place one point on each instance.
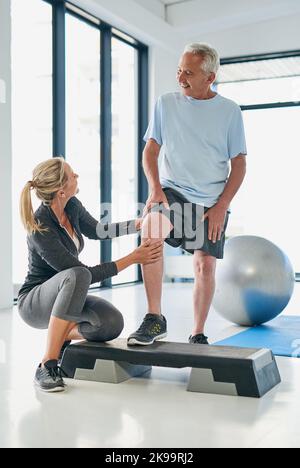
(193, 80)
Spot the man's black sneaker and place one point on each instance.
(63, 348)
(49, 378)
(153, 328)
(199, 339)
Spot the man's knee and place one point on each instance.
(204, 266)
(156, 226)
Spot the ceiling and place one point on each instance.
(190, 16)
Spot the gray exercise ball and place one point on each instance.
(255, 281)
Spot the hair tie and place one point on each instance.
(32, 184)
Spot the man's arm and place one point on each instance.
(237, 176)
(217, 214)
(150, 165)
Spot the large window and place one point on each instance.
(124, 147)
(83, 118)
(261, 81)
(267, 204)
(80, 91)
(31, 107)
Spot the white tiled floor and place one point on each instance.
(153, 411)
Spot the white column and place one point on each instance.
(6, 284)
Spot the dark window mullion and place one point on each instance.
(143, 110)
(59, 79)
(260, 57)
(143, 116)
(106, 133)
(275, 105)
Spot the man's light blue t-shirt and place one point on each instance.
(199, 138)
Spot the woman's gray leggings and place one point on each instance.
(65, 296)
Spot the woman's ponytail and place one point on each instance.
(26, 210)
(48, 178)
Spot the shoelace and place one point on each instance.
(56, 372)
(64, 347)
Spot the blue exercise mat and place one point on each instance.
(281, 335)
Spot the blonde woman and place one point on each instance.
(55, 293)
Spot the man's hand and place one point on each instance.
(216, 220)
(157, 196)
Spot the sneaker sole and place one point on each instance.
(50, 390)
(134, 341)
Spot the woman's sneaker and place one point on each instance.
(153, 328)
(49, 378)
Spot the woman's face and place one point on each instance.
(71, 187)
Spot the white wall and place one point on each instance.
(154, 6)
(204, 14)
(6, 289)
(268, 36)
(163, 67)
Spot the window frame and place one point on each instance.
(261, 57)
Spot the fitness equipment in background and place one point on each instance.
(255, 281)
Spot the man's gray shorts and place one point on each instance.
(189, 232)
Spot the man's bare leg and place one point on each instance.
(204, 290)
(155, 227)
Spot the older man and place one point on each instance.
(202, 135)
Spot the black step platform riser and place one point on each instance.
(253, 372)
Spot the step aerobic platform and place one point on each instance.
(215, 369)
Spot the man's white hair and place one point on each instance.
(211, 63)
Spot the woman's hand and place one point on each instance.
(139, 224)
(148, 253)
